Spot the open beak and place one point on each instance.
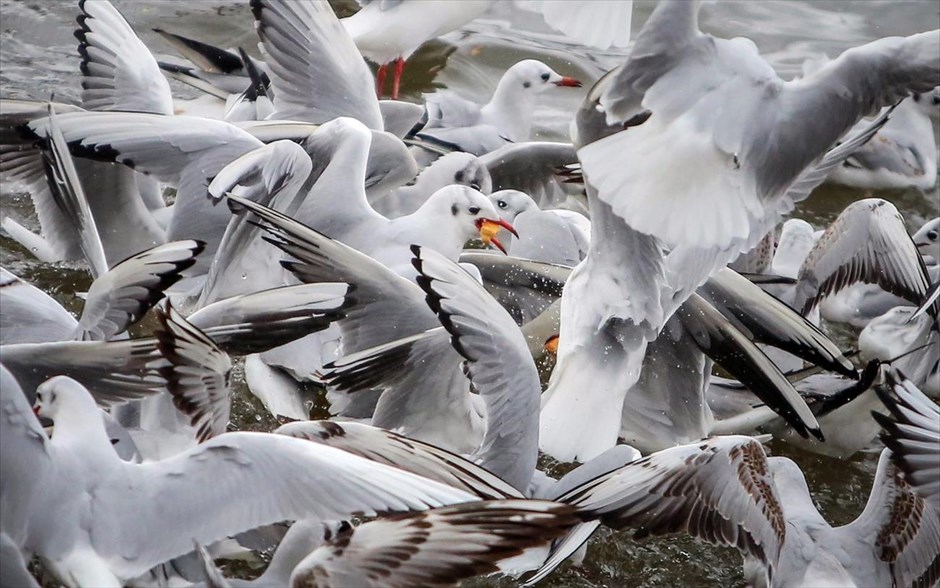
(567, 82)
(36, 410)
(490, 228)
(551, 345)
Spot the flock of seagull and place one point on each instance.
(291, 218)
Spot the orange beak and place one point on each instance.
(551, 345)
(568, 82)
(490, 228)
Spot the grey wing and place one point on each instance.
(448, 110)
(771, 321)
(114, 371)
(736, 352)
(719, 490)
(532, 168)
(389, 306)
(198, 375)
(146, 514)
(25, 458)
(435, 548)
(912, 433)
(254, 323)
(498, 364)
(899, 526)
(123, 295)
(119, 73)
(181, 150)
(30, 315)
(868, 243)
(598, 24)
(402, 452)
(424, 392)
(69, 197)
(317, 72)
(524, 287)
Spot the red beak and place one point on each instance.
(489, 228)
(36, 410)
(568, 82)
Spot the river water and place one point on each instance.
(38, 60)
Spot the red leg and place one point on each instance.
(380, 80)
(399, 68)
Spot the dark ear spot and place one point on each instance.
(458, 177)
(526, 84)
(453, 209)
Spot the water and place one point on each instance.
(38, 60)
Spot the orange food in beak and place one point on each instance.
(490, 228)
(551, 345)
(568, 82)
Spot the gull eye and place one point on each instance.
(502, 204)
(545, 76)
(473, 209)
(932, 235)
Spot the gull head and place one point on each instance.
(510, 203)
(472, 213)
(928, 103)
(927, 240)
(459, 168)
(59, 394)
(534, 76)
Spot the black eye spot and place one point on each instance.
(473, 209)
(545, 76)
(458, 177)
(526, 84)
(502, 204)
(916, 97)
(932, 235)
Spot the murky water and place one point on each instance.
(38, 60)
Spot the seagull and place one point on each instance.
(389, 32)
(81, 498)
(506, 118)
(456, 542)
(550, 236)
(667, 104)
(902, 155)
(912, 433)
(726, 490)
(454, 168)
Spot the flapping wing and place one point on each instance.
(198, 375)
(869, 243)
(123, 295)
(401, 452)
(436, 548)
(147, 514)
(902, 528)
(317, 72)
(119, 73)
(254, 323)
(719, 490)
(389, 307)
(598, 24)
(912, 433)
(497, 362)
(772, 322)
